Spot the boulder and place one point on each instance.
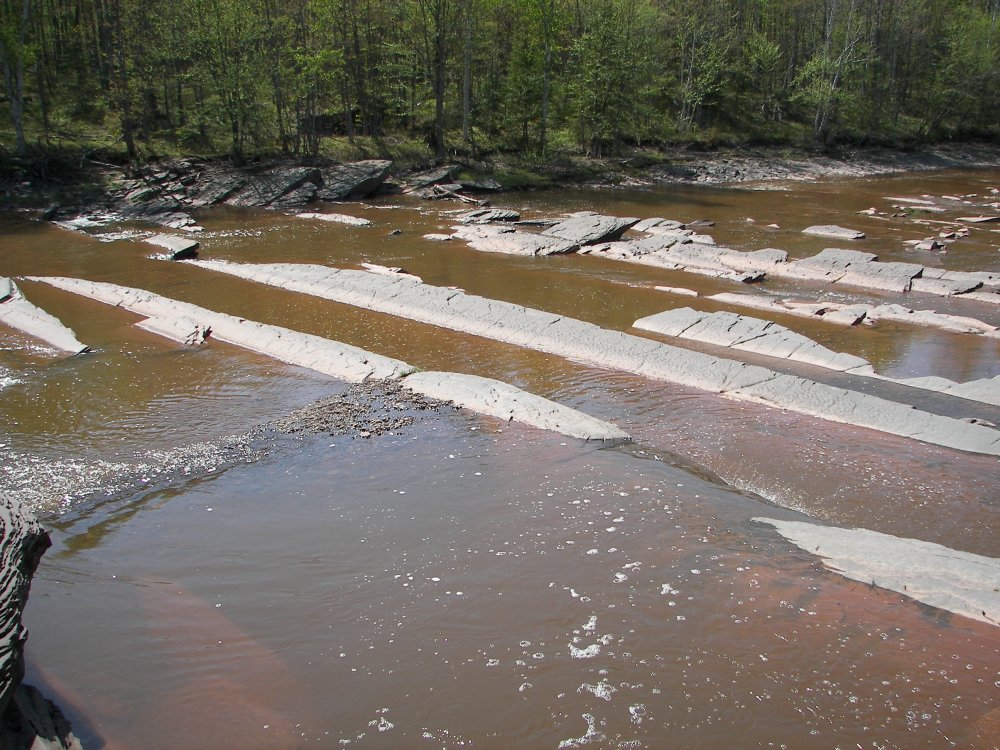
(949, 579)
(178, 248)
(481, 185)
(354, 180)
(264, 189)
(590, 229)
(831, 230)
(300, 196)
(431, 177)
(22, 543)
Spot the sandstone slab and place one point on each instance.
(588, 229)
(589, 344)
(353, 180)
(354, 221)
(178, 248)
(946, 578)
(19, 313)
(834, 231)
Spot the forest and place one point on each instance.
(133, 79)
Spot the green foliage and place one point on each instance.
(538, 77)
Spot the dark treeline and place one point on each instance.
(532, 76)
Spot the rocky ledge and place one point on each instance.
(28, 719)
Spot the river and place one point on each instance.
(459, 582)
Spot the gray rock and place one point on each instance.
(748, 334)
(300, 196)
(978, 219)
(27, 719)
(354, 221)
(178, 248)
(504, 401)
(32, 721)
(22, 542)
(591, 345)
(181, 321)
(432, 177)
(487, 215)
(854, 268)
(218, 190)
(831, 230)
(503, 239)
(18, 313)
(7, 289)
(354, 180)
(266, 188)
(946, 578)
(590, 229)
(481, 185)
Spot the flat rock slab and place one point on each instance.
(832, 230)
(835, 265)
(353, 221)
(178, 248)
(614, 350)
(589, 229)
(946, 578)
(507, 240)
(353, 180)
(18, 313)
(978, 219)
(506, 402)
(190, 324)
(748, 334)
(487, 215)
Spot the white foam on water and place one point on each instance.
(603, 689)
(585, 653)
(591, 735)
(591, 624)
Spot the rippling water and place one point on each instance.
(463, 583)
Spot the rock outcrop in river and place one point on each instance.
(673, 246)
(17, 312)
(772, 340)
(28, 719)
(587, 343)
(950, 579)
(189, 324)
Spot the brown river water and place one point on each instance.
(464, 583)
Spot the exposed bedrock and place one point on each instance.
(28, 719)
(505, 401)
(587, 343)
(674, 246)
(772, 340)
(190, 325)
(177, 248)
(949, 579)
(832, 230)
(18, 313)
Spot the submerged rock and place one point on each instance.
(949, 579)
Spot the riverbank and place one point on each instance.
(161, 187)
